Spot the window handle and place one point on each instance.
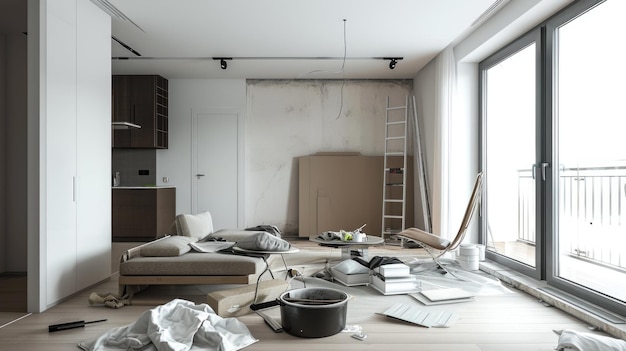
(544, 165)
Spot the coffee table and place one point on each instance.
(349, 247)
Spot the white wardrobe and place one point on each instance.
(70, 136)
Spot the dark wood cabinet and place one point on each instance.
(141, 100)
(142, 214)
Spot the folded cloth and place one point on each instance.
(581, 341)
(378, 261)
(264, 242)
(177, 325)
(108, 300)
(330, 235)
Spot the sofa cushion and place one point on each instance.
(196, 226)
(193, 263)
(167, 247)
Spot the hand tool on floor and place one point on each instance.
(70, 325)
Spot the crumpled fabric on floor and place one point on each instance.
(108, 300)
(570, 340)
(178, 325)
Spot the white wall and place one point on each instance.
(284, 120)
(69, 150)
(186, 97)
(513, 20)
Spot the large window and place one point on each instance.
(553, 152)
(510, 118)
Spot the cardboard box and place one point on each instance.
(343, 191)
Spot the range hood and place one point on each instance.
(124, 125)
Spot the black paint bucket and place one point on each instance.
(313, 312)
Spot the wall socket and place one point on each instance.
(144, 172)
(166, 179)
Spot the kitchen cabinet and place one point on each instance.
(142, 213)
(141, 100)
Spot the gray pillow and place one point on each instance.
(264, 242)
(168, 247)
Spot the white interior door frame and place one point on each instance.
(239, 115)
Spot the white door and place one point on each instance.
(216, 159)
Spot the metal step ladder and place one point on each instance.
(395, 170)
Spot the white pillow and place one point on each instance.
(196, 226)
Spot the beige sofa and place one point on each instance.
(171, 260)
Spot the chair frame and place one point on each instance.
(458, 239)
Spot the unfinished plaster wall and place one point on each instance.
(289, 119)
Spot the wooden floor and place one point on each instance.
(507, 322)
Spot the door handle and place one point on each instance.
(199, 175)
(544, 165)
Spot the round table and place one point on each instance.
(347, 247)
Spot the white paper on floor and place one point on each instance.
(476, 282)
(429, 318)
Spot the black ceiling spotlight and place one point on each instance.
(223, 64)
(392, 61)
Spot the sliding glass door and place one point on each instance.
(554, 153)
(510, 112)
(590, 150)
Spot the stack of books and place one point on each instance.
(393, 279)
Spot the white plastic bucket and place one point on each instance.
(468, 250)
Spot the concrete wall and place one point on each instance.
(283, 120)
(289, 119)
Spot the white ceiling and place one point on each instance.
(178, 39)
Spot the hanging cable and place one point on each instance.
(343, 65)
(343, 59)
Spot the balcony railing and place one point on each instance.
(592, 222)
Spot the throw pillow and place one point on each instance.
(196, 226)
(167, 247)
(264, 242)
